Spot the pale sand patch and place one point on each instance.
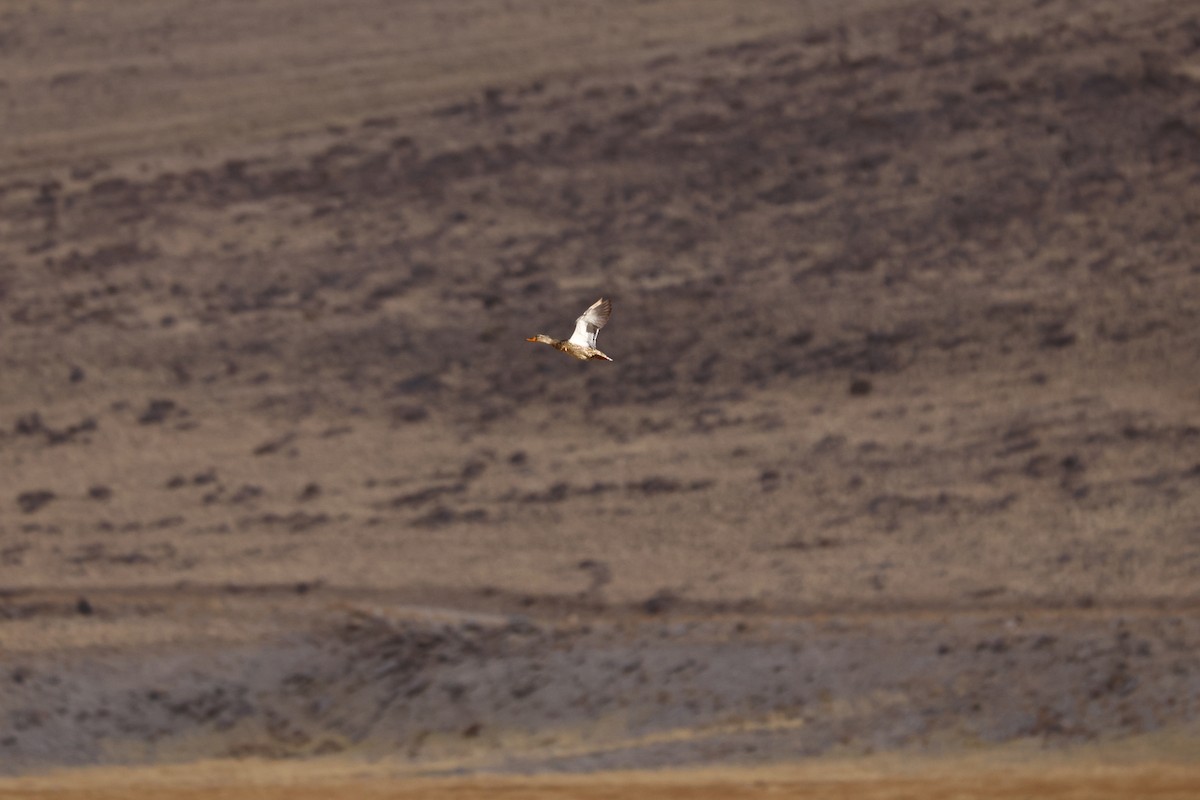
(1161, 766)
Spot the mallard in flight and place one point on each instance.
(582, 344)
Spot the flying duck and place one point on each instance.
(582, 344)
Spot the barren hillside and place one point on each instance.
(903, 417)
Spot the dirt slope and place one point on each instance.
(905, 332)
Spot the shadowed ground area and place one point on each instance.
(899, 450)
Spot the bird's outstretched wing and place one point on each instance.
(590, 323)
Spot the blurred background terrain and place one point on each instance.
(900, 448)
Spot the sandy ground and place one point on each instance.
(899, 451)
(1014, 772)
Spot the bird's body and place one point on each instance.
(582, 344)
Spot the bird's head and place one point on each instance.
(541, 337)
